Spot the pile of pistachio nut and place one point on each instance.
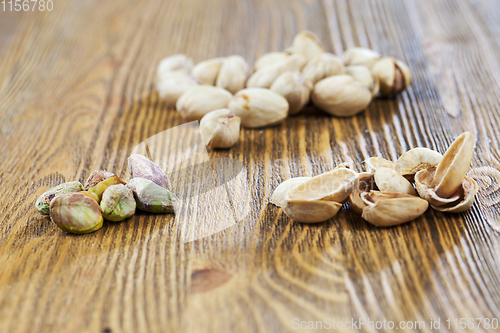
(224, 94)
(385, 195)
(81, 209)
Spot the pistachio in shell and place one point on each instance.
(43, 202)
(142, 167)
(76, 213)
(151, 197)
(394, 76)
(118, 203)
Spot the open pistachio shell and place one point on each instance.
(100, 187)
(278, 196)
(451, 170)
(417, 159)
(76, 213)
(151, 197)
(365, 183)
(43, 202)
(143, 167)
(311, 211)
(467, 194)
(388, 180)
(423, 179)
(117, 203)
(384, 209)
(394, 76)
(373, 163)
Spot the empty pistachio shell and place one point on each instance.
(207, 71)
(91, 195)
(467, 192)
(269, 59)
(311, 211)
(96, 177)
(385, 209)
(233, 74)
(394, 76)
(43, 202)
(200, 100)
(295, 88)
(364, 76)
(264, 77)
(76, 213)
(451, 170)
(143, 167)
(417, 159)
(423, 180)
(117, 203)
(307, 44)
(364, 183)
(220, 128)
(388, 180)
(323, 66)
(172, 85)
(175, 63)
(151, 197)
(373, 163)
(279, 194)
(99, 188)
(360, 56)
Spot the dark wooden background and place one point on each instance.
(77, 94)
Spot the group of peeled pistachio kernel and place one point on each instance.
(81, 209)
(385, 195)
(224, 94)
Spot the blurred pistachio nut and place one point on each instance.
(279, 194)
(176, 63)
(43, 202)
(384, 209)
(265, 76)
(373, 163)
(295, 88)
(341, 96)
(99, 188)
(307, 44)
(91, 195)
(233, 74)
(200, 100)
(142, 167)
(269, 59)
(96, 177)
(423, 180)
(355, 56)
(207, 71)
(364, 183)
(311, 211)
(172, 85)
(259, 107)
(151, 197)
(220, 128)
(117, 203)
(364, 76)
(388, 180)
(76, 213)
(323, 66)
(417, 159)
(467, 193)
(394, 76)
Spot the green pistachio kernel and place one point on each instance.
(117, 203)
(76, 213)
(151, 197)
(43, 202)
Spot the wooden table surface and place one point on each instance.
(77, 94)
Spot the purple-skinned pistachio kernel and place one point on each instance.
(142, 167)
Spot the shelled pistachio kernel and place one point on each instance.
(143, 167)
(91, 195)
(43, 202)
(96, 177)
(76, 213)
(151, 197)
(117, 203)
(99, 188)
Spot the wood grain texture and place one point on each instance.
(77, 94)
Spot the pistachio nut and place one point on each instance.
(172, 85)
(364, 76)
(207, 71)
(388, 180)
(117, 203)
(355, 56)
(99, 188)
(279, 194)
(96, 177)
(417, 159)
(341, 95)
(467, 193)
(373, 163)
(423, 180)
(310, 211)
(91, 195)
(384, 209)
(143, 167)
(220, 128)
(233, 74)
(43, 202)
(295, 88)
(175, 63)
(151, 197)
(76, 213)
(394, 76)
(265, 76)
(451, 170)
(269, 59)
(323, 66)
(259, 107)
(307, 44)
(364, 183)
(198, 101)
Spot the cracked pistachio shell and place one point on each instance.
(233, 74)
(99, 188)
(151, 197)
(265, 76)
(295, 88)
(358, 56)
(220, 128)
(176, 63)
(467, 193)
(423, 180)
(307, 44)
(451, 170)
(341, 96)
(143, 167)
(269, 59)
(279, 194)
(96, 177)
(43, 202)
(417, 159)
(207, 71)
(384, 209)
(117, 203)
(323, 66)
(373, 163)
(394, 76)
(364, 76)
(364, 183)
(171, 86)
(259, 107)
(311, 211)
(76, 213)
(200, 100)
(388, 180)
